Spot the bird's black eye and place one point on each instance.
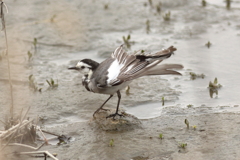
(83, 67)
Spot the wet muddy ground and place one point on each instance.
(68, 31)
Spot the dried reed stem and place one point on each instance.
(12, 131)
(9, 68)
(39, 152)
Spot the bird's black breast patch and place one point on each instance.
(85, 82)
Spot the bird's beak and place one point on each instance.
(73, 68)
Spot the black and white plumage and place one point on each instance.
(116, 72)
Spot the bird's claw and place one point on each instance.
(114, 115)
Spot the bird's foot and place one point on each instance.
(114, 115)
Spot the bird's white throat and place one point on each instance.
(89, 74)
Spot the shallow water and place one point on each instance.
(68, 31)
(146, 111)
(188, 31)
(220, 60)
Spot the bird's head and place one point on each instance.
(85, 66)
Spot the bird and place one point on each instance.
(119, 70)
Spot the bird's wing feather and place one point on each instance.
(134, 66)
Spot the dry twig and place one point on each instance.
(45, 139)
(39, 152)
(9, 68)
(15, 129)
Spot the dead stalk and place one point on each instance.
(25, 114)
(15, 129)
(39, 152)
(45, 139)
(12, 131)
(9, 68)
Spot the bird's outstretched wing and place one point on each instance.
(127, 67)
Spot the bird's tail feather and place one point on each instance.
(163, 70)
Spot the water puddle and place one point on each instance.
(220, 60)
(153, 110)
(146, 111)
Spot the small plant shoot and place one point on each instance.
(167, 16)
(187, 123)
(214, 87)
(161, 136)
(111, 143)
(51, 83)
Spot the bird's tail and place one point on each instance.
(164, 69)
(139, 65)
(154, 69)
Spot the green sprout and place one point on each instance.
(208, 44)
(111, 143)
(214, 87)
(204, 3)
(215, 81)
(148, 26)
(214, 84)
(35, 44)
(228, 4)
(127, 41)
(190, 106)
(106, 6)
(194, 75)
(163, 101)
(161, 136)
(182, 145)
(32, 84)
(29, 55)
(187, 123)
(194, 127)
(150, 3)
(158, 7)
(52, 84)
(167, 16)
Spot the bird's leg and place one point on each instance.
(113, 115)
(100, 108)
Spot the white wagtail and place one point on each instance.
(116, 72)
